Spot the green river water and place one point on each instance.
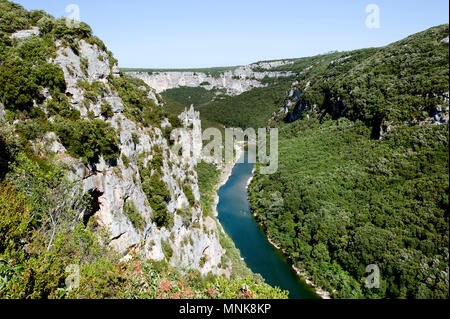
(259, 255)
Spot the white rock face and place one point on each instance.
(98, 62)
(195, 243)
(116, 71)
(52, 143)
(235, 82)
(271, 64)
(23, 34)
(191, 120)
(2, 112)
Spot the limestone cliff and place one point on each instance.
(192, 240)
(2, 113)
(237, 81)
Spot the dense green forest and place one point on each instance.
(249, 109)
(351, 199)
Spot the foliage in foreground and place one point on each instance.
(42, 231)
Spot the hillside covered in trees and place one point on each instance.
(351, 196)
(363, 164)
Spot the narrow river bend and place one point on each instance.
(259, 255)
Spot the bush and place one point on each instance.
(358, 202)
(39, 229)
(13, 17)
(25, 71)
(17, 85)
(59, 105)
(167, 249)
(403, 81)
(157, 195)
(125, 160)
(187, 190)
(33, 128)
(137, 105)
(106, 109)
(133, 214)
(88, 139)
(186, 215)
(14, 222)
(208, 178)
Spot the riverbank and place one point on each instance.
(236, 263)
(224, 176)
(250, 179)
(319, 291)
(225, 173)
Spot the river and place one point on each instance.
(259, 255)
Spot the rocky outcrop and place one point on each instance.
(294, 108)
(23, 34)
(194, 241)
(191, 120)
(235, 82)
(267, 65)
(2, 112)
(92, 65)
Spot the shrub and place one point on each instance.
(208, 178)
(359, 201)
(187, 190)
(33, 128)
(137, 105)
(174, 121)
(157, 160)
(186, 215)
(133, 214)
(203, 260)
(84, 65)
(167, 249)
(60, 106)
(88, 139)
(13, 17)
(157, 195)
(14, 221)
(17, 85)
(125, 160)
(106, 109)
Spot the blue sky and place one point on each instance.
(206, 33)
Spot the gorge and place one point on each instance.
(260, 255)
(90, 178)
